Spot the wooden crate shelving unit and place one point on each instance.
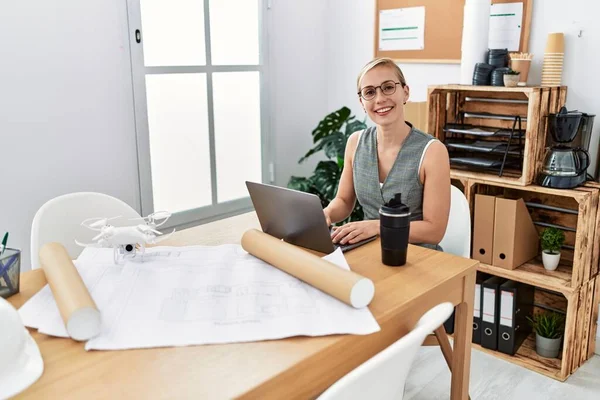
(579, 339)
(578, 264)
(447, 102)
(574, 288)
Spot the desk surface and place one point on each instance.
(298, 367)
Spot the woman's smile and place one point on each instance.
(384, 110)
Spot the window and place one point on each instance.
(199, 88)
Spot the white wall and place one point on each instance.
(299, 85)
(66, 108)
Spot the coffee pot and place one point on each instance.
(565, 165)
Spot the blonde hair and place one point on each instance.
(388, 62)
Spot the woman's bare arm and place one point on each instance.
(435, 173)
(343, 203)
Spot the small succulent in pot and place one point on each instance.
(551, 240)
(549, 328)
(511, 78)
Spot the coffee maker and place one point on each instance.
(565, 162)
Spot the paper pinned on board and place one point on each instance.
(402, 29)
(505, 26)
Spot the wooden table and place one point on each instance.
(299, 367)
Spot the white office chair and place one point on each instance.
(383, 376)
(457, 239)
(59, 220)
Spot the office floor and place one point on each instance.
(492, 378)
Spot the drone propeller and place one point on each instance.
(163, 237)
(97, 223)
(151, 219)
(78, 243)
(98, 236)
(146, 229)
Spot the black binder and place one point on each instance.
(516, 302)
(449, 324)
(477, 307)
(490, 312)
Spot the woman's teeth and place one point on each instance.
(383, 110)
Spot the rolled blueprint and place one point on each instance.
(347, 286)
(476, 26)
(76, 306)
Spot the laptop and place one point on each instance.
(294, 216)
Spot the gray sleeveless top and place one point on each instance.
(402, 178)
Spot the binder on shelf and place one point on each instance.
(477, 307)
(516, 239)
(516, 302)
(483, 228)
(490, 312)
(449, 324)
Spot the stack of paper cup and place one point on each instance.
(553, 60)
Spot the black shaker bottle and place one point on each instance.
(394, 222)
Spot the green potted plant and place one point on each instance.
(511, 78)
(551, 240)
(548, 327)
(330, 136)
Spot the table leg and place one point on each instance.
(463, 333)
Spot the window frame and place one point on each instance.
(216, 210)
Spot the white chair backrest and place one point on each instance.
(59, 220)
(457, 239)
(383, 376)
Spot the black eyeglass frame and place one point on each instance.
(378, 87)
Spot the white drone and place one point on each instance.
(127, 240)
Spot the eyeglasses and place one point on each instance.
(388, 88)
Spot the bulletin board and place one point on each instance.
(443, 29)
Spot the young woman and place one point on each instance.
(391, 157)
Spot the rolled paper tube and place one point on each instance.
(76, 306)
(347, 286)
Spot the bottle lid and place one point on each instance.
(395, 207)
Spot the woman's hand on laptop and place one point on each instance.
(353, 232)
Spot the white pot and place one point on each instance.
(550, 260)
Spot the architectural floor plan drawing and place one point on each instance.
(219, 294)
(254, 300)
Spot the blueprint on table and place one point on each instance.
(220, 294)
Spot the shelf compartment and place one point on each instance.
(580, 307)
(574, 210)
(492, 110)
(527, 357)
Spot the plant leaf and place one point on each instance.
(326, 178)
(353, 126)
(331, 137)
(300, 183)
(331, 123)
